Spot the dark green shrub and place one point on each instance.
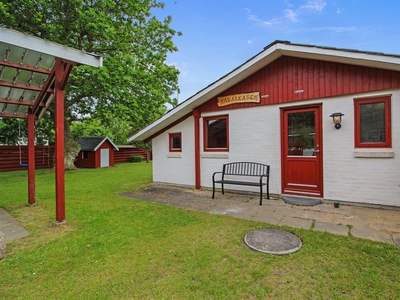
(136, 158)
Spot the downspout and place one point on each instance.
(196, 115)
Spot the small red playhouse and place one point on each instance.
(96, 152)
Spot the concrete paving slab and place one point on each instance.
(269, 218)
(396, 239)
(366, 212)
(296, 222)
(10, 227)
(331, 228)
(386, 226)
(372, 234)
(391, 215)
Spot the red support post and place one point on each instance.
(59, 141)
(31, 157)
(196, 115)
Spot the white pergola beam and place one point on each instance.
(37, 44)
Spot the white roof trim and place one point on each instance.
(37, 44)
(352, 57)
(105, 139)
(267, 56)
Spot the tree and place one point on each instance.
(135, 81)
(9, 134)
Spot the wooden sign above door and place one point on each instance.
(239, 98)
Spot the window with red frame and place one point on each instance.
(175, 142)
(216, 133)
(373, 122)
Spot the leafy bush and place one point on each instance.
(136, 158)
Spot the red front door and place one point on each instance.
(302, 151)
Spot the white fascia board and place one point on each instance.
(106, 139)
(251, 66)
(358, 58)
(42, 46)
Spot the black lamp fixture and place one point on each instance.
(337, 119)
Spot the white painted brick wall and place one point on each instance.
(251, 138)
(167, 168)
(355, 179)
(254, 135)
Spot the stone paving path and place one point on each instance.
(376, 224)
(10, 227)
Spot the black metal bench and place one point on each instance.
(230, 170)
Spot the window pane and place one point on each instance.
(372, 123)
(301, 134)
(216, 134)
(176, 142)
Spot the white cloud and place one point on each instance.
(291, 15)
(249, 42)
(337, 29)
(315, 5)
(255, 18)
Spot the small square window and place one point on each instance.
(216, 134)
(85, 154)
(372, 123)
(175, 142)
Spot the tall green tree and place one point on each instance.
(135, 82)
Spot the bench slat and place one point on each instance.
(250, 183)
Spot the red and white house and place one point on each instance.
(278, 108)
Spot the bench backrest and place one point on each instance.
(245, 169)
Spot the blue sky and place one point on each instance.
(219, 35)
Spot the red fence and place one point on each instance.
(125, 152)
(44, 156)
(11, 156)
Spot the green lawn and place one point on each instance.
(120, 248)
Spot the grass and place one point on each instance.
(119, 248)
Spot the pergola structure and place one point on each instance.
(34, 72)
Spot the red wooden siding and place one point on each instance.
(89, 162)
(124, 154)
(9, 157)
(318, 79)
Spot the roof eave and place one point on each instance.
(268, 55)
(254, 64)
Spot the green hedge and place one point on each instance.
(136, 158)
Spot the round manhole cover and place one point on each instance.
(273, 241)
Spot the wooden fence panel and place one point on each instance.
(126, 152)
(44, 156)
(11, 156)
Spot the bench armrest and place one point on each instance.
(262, 177)
(213, 177)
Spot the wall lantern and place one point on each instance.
(337, 119)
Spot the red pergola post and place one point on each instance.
(31, 157)
(59, 140)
